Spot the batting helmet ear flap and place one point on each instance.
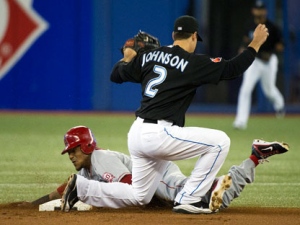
(82, 136)
(88, 147)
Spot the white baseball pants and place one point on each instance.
(266, 73)
(151, 146)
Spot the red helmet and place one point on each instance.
(82, 136)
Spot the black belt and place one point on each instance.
(150, 121)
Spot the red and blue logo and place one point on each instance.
(20, 27)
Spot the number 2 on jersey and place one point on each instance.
(162, 74)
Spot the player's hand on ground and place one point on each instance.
(24, 204)
(260, 35)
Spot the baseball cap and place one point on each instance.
(187, 24)
(259, 5)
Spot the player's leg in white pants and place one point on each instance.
(241, 176)
(101, 194)
(171, 184)
(268, 82)
(151, 144)
(147, 174)
(250, 79)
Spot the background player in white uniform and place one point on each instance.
(169, 77)
(263, 69)
(101, 165)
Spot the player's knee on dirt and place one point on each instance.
(143, 199)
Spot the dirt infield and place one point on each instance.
(12, 214)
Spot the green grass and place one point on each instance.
(32, 166)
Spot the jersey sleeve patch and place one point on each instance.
(108, 177)
(216, 60)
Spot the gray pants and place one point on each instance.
(174, 180)
(241, 175)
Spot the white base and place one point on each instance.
(55, 205)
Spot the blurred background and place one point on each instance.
(57, 55)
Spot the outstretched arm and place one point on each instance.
(239, 64)
(52, 196)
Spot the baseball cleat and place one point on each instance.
(194, 208)
(280, 113)
(263, 149)
(239, 126)
(69, 197)
(216, 198)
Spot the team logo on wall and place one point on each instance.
(20, 26)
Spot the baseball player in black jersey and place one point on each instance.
(169, 76)
(263, 69)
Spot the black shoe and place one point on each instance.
(194, 208)
(69, 197)
(263, 149)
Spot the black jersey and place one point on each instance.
(170, 76)
(274, 38)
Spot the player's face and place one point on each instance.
(79, 159)
(259, 15)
